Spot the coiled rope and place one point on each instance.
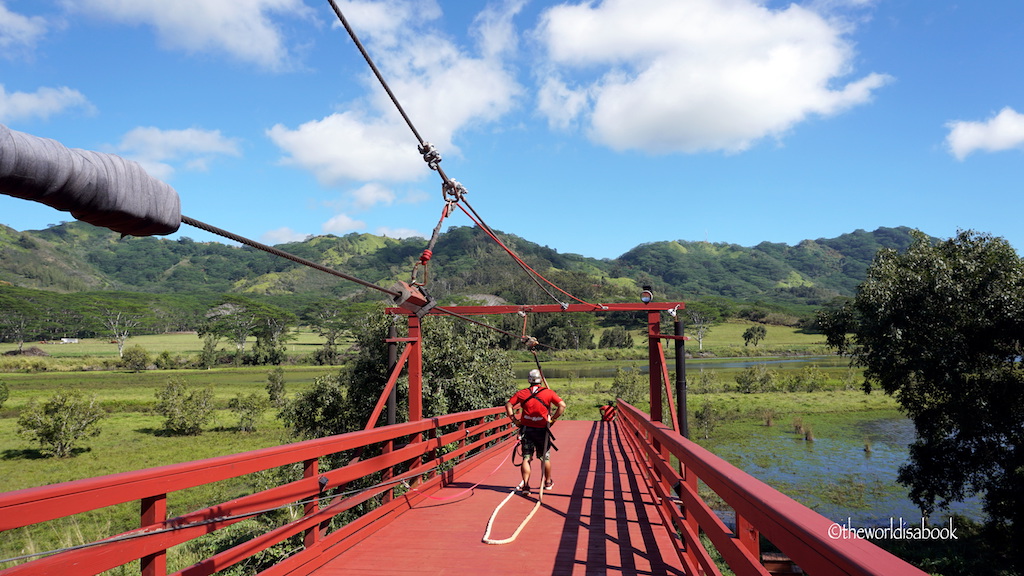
(486, 539)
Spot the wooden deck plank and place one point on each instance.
(598, 519)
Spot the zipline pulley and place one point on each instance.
(416, 299)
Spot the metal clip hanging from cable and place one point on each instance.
(428, 252)
(430, 155)
(452, 191)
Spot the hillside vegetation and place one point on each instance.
(76, 257)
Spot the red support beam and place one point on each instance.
(395, 373)
(488, 310)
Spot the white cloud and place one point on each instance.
(386, 22)
(560, 104)
(283, 236)
(18, 31)
(350, 146)
(441, 87)
(694, 75)
(343, 224)
(1003, 131)
(246, 31)
(368, 195)
(42, 103)
(399, 232)
(156, 149)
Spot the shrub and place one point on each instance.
(757, 378)
(249, 410)
(629, 385)
(185, 410)
(135, 358)
(707, 418)
(60, 423)
(705, 382)
(275, 387)
(165, 361)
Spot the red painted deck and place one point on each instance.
(598, 519)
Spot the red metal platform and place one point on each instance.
(598, 519)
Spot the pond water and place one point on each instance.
(607, 369)
(835, 474)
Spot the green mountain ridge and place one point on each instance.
(74, 257)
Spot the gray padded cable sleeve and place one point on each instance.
(101, 189)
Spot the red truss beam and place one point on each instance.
(539, 308)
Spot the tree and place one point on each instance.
(462, 369)
(272, 331)
(754, 334)
(570, 331)
(237, 319)
(330, 318)
(119, 320)
(701, 321)
(61, 422)
(19, 316)
(939, 327)
(185, 410)
(616, 337)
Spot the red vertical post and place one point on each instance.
(748, 536)
(690, 479)
(311, 469)
(654, 361)
(154, 511)
(415, 370)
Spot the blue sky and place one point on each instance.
(586, 127)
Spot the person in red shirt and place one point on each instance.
(536, 415)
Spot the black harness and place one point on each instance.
(549, 437)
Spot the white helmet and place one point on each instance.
(534, 377)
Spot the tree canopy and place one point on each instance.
(940, 328)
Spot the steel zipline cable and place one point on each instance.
(453, 191)
(300, 260)
(283, 254)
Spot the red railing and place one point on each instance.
(408, 451)
(760, 511)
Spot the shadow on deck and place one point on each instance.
(598, 519)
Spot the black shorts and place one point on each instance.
(533, 442)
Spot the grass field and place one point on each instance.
(184, 343)
(723, 337)
(131, 436)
